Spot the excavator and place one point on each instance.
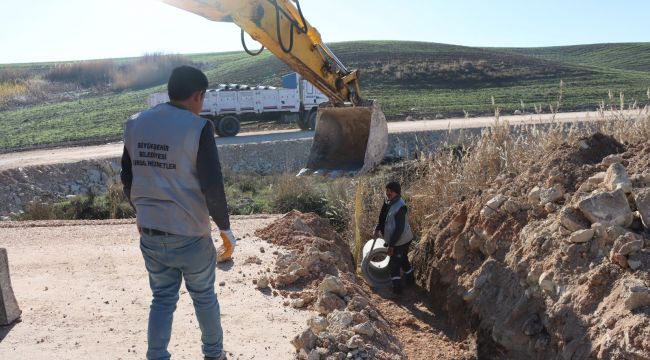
(351, 133)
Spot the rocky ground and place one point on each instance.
(83, 290)
(551, 263)
(353, 321)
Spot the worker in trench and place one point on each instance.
(394, 227)
(172, 175)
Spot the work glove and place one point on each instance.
(390, 251)
(225, 251)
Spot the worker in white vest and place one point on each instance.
(171, 174)
(394, 226)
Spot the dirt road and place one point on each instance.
(84, 294)
(74, 154)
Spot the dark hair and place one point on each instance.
(395, 186)
(185, 81)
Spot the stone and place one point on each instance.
(317, 324)
(612, 159)
(492, 206)
(310, 260)
(564, 231)
(511, 206)
(616, 178)
(364, 329)
(572, 219)
(458, 251)
(619, 259)
(581, 236)
(597, 179)
(298, 303)
(636, 296)
(546, 282)
(551, 195)
(300, 226)
(608, 208)
(586, 187)
(489, 246)
(533, 195)
(642, 201)
(9, 310)
(640, 180)
(634, 264)
(305, 341)
(282, 280)
(338, 321)
(328, 302)
(551, 207)
(332, 284)
(627, 244)
(358, 303)
(355, 342)
(475, 242)
(313, 355)
(614, 232)
(262, 282)
(359, 317)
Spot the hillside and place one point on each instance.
(630, 56)
(408, 78)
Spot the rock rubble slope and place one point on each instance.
(553, 262)
(317, 272)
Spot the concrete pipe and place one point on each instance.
(374, 264)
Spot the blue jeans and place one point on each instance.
(168, 259)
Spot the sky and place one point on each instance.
(51, 30)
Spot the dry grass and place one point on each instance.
(140, 73)
(10, 90)
(444, 179)
(435, 181)
(147, 71)
(86, 73)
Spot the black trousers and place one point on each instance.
(400, 262)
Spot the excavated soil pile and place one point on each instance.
(552, 263)
(317, 273)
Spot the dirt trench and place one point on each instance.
(527, 269)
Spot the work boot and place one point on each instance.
(221, 356)
(409, 278)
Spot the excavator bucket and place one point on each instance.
(348, 140)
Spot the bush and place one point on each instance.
(86, 74)
(147, 71)
(112, 205)
(119, 206)
(36, 210)
(10, 90)
(136, 74)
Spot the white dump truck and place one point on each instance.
(296, 101)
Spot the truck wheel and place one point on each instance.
(301, 121)
(228, 126)
(311, 120)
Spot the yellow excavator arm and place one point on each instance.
(351, 135)
(281, 28)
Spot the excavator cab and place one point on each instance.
(348, 140)
(351, 133)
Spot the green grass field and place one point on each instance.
(408, 78)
